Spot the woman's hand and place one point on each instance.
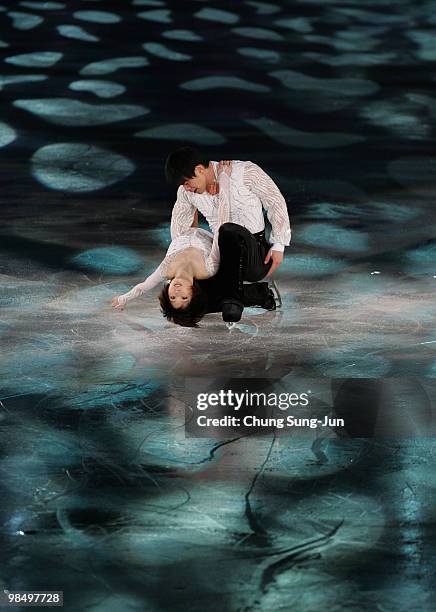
(116, 304)
(225, 165)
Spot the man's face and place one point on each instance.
(197, 183)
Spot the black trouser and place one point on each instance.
(253, 294)
(242, 256)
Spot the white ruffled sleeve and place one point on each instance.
(274, 203)
(183, 213)
(213, 261)
(151, 281)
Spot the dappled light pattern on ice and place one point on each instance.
(97, 16)
(24, 21)
(217, 82)
(43, 59)
(103, 492)
(76, 33)
(43, 6)
(189, 132)
(110, 260)
(164, 52)
(296, 138)
(76, 167)
(63, 111)
(218, 15)
(112, 65)
(7, 134)
(102, 89)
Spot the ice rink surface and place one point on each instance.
(102, 495)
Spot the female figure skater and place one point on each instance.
(190, 257)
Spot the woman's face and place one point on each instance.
(180, 293)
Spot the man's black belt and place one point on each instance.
(260, 236)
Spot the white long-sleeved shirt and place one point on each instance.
(251, 190)
(193, 237)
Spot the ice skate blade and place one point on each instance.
(276, 292)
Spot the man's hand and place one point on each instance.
(225, 165)
(277, 258)
(116, 304)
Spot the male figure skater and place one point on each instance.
(247, 254)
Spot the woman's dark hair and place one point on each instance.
(180, 164)
(189, 316)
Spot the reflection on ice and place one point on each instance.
(114, 394)
(218, 15)
(148, 3)
(344, 86)
(263, 8)
(102, 89)
(109, 367)
(110, 260)
(216, 82)
(39, 59)
(322, 103)
(258, 33)
(296, 138)
(415, 172)
(43, 6)
(298, 24)
(304, 265)
(39, 356)
(163, 16)
(76, 33)
(364, 44)
(351, 364)
(64, 111)
(165, 53)
(186, 35)
(425, 41)
(422, 260)
(399, 116)
(373, 16)
(335, 237)
(79, 167)
(7, 134)
(189, 132)
(114, 64)
(423, 100)
(352, 59)
(26, 294)
(388, 212)
(97, 16)
(89, 300)
(263, 54)
(24, 21)
(21, 78)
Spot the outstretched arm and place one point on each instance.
(151, 281)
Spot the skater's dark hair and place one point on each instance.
(180, 164)
(189, 316)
